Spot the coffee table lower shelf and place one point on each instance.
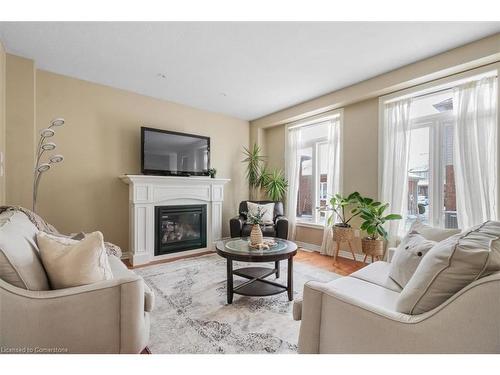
(257, 286)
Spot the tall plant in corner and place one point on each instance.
(254, 161)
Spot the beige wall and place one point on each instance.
(360, 157)
(360, 128)
(101, 141)
(2, 122)
(20, 130)
(274, 146)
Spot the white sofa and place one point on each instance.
(357, 314)
(106, 317)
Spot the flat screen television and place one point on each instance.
(174, 154)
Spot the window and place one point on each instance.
(431, 183)
(438, 152)
(313, 172)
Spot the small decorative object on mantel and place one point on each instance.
(43, 146)
(255, 218)
(212, 172)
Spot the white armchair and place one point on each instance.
(357, 314)
(106, 317)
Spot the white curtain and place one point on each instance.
(333, 179)
(395, 140)
(292, 175)
(475, 151)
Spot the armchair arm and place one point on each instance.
(281, 225)
(105, 317)
(235, 225)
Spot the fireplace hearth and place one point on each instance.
(180, 228)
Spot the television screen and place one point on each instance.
(171, 153)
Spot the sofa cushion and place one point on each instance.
(451, 265)
(20, 263)
(72, 263)
(377, 273)
(433, 233)
(408, 256)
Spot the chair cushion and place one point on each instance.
(266, 209)
(408, 256)
(360, 292)
(377, 273)
(20, 263)
(432, 233)
(278, 208)
(451, 265)
(72, 263)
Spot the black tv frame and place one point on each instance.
(171, 173)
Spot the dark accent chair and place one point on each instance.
(239, 227)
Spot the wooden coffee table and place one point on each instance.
(237, 249)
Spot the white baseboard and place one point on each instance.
(344, 254)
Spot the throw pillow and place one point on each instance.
(72, 263)
(20, 263)
(451, 265)
(432, 233)
(408, 256)
(267, 209)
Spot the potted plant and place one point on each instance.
(374, 217)
(254, 161)
(212, 172)
(255, 218)
(339, 204)
(274, 184)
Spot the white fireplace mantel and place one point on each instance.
(147, 192)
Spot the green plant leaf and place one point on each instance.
(275, 185)
(393, 217)
(254, 162)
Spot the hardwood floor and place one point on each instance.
(342, 266)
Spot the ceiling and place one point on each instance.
(243, 69)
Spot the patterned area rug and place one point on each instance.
(191, 314)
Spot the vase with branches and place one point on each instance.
(256, 220)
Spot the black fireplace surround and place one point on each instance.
(180, 228)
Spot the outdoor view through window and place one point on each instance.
(431, 181)
(313, 174)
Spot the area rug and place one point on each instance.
(191, 314)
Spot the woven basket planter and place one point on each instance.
(256, 237)
(373, 248)
(343, 233)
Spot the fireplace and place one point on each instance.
(180, 228)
